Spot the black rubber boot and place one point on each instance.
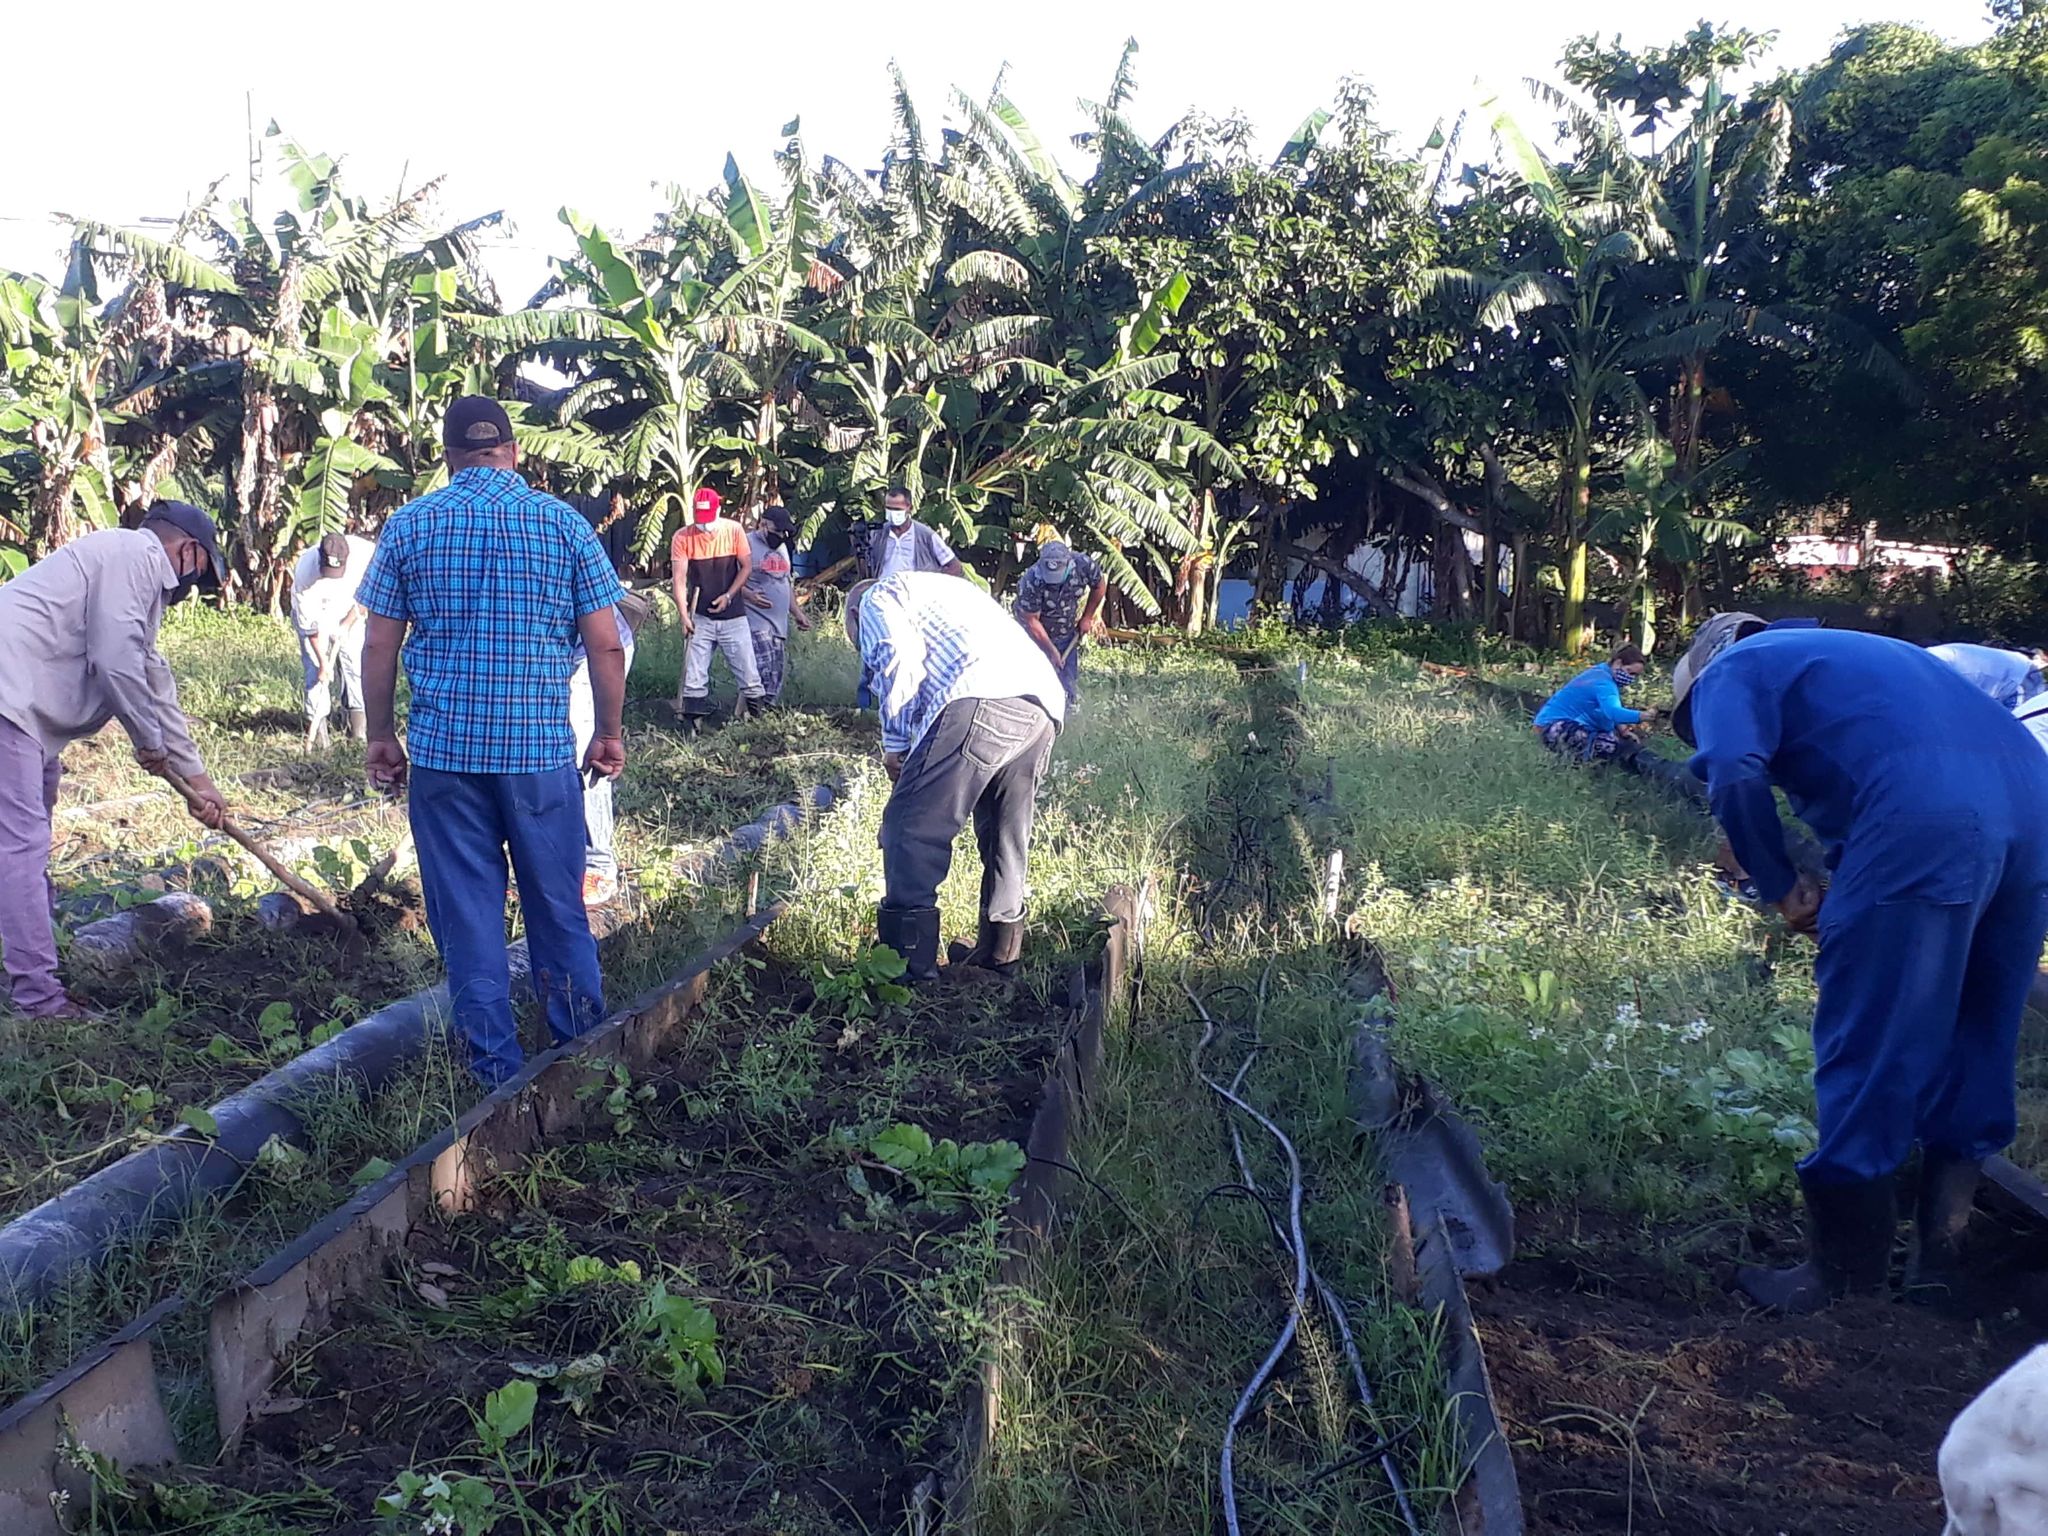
(358, 726)
(998, 948)
(1849, 1236)
(1948, 1189)
(913, 932)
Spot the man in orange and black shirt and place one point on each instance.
(710, 562)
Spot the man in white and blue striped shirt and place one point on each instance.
(969, 709)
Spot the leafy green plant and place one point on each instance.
(508, 1413)
(683, 1338)
(279, 1031)
(984, 1169)
(618, 1094)
(343, 867)
(862, 989)
(441, 1502)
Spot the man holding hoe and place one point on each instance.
(78, 631)
(969, 709)
(1058, 601)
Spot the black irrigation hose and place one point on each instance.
(1226, 1470)
(1294, 1243)
(1095, 1184)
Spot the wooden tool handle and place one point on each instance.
(265, 857)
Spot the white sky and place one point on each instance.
(123, 110)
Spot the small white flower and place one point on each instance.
(1609, 1041)
(1696, 1031)
(1537, 1031)
(1627, 1015)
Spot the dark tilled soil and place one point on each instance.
(1641, 1396)
(849, 1337)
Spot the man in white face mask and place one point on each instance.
(902, 543)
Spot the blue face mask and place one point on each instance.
(1624, 680)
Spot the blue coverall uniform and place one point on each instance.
(1929, 800)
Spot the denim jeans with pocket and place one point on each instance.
(465, 824)
(982, 758)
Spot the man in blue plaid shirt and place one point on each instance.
(969, 709)
(495, 582)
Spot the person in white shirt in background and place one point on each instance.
(600, 862)
(2013, 678)
(330, 627)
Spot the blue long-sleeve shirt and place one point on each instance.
(1869, 738)
(1592, 699)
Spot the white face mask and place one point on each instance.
(897, 516)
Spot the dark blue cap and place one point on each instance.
(189, 520)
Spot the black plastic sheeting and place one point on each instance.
(151, 1189)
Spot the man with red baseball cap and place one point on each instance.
(710, 561)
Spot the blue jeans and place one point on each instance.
(464, 824)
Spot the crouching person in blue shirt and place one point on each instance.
(1584, 719)
(969, 708)
(1927, 797)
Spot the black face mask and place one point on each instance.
(188, 583)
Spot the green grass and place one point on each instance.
(1564, 964)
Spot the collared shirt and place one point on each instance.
(928, 640)
(78, 637)
(919, 547)
(1057, 603)
(493, 576)
(320, 602)
(712, 551)
(770, 578)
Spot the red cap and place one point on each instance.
(706, 505)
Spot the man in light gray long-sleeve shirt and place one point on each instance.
(78, 634)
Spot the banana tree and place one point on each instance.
(1593, 230)
(667, 330)
(1658, 518)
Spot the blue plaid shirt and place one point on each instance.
(492, 575)
(928, 640)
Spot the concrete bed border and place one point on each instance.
(1095, 988)
(109, 1399)
(153, 1187)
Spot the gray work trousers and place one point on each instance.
(981, 758)
(734, 638)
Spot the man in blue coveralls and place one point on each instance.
(1927, 797)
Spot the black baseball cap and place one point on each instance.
(334, 552)
(778, 518)
(193, 523)
(475, 424)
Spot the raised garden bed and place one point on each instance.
(745, 1291)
